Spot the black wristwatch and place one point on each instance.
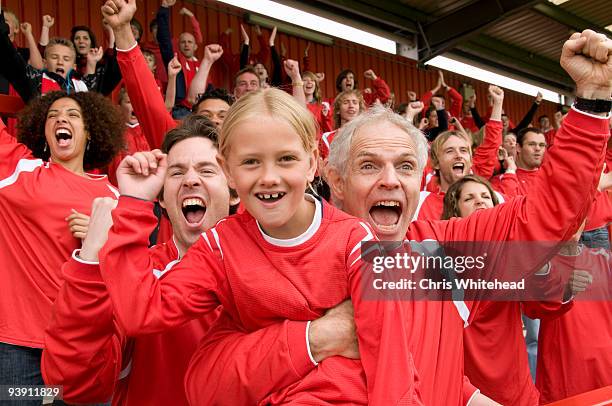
(593, 105)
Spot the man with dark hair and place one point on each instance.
(246, 80)
(214, 105)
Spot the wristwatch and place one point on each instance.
(593, 105)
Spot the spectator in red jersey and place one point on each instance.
(314, 102)
(495, 351)
(187, 46)
(375, 170)
(574, 354)
(348, 105)
(44, 177)
(346, 80)
(456, 98)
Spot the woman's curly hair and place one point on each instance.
(102, 120)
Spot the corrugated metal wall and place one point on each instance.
(401, 73)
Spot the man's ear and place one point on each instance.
(234, 200)
(223, 164)
(195, 47)
(335, 181)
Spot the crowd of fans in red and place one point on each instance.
(72, 146)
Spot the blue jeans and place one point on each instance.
(21, 366)
(598, 238)
(531, 341)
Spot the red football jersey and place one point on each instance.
(35, 199)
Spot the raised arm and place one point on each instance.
(195, 25)
(528, 118)
(173, 69)
(380, 88)
(565, 186)
(13, 67)
(36, 59)
(293, 71)
(83, 347)
(139, 81)
(47, 23)
(485, 155)
(212, 53)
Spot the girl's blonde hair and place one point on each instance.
(276, 104)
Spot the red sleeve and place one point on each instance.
(554, 207)
(148, 104)
(601, 211)
(456, 102)
(265, 361)
(12, 153)
(550, 137)
(426, 99)
(507, 184)
(545, 310)
(197, 32)
(5, 136)
(178, 296)
(82, 346)
(380, 91)
(485, 155)
(383, 338)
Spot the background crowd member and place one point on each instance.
(60, 137)
(214, 105)
(58, 74)
(452, 158)
(348, 105)
(346, 80)
(456, 98)
(574, 347)
(495, 351)
(187, 46)
(315, 104)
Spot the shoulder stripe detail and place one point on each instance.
(207, 240)
(158, 274)
(464, 312)
(126, 371)
(368, 237)
(216, 236)
(500, 197)
(325, 138)
(422, 197)
(24, 165)
(114, 190)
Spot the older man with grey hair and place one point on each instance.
(374, 171)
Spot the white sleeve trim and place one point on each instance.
(545, 271)
(568, 300)
(308, 345)
(477, 391)
(76, 257)
(129, 49)
(606, 117)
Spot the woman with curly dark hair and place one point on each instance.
(42, 179)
